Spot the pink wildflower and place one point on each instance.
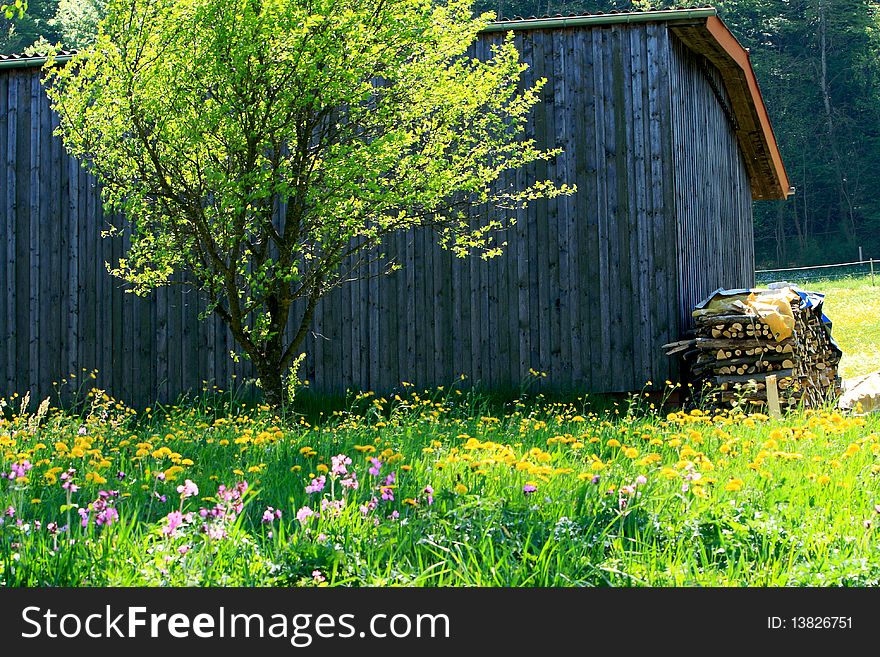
(172, 521)
(304, 514)
(317, 485)
(339, 464)
(188, 489)
(270, 515)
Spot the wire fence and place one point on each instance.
(843, 270)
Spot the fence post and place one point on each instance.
(872, 272)
(772, 396)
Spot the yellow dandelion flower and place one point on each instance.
(323, 469)
(823, 480)
(734, 485)
(460, 489)
(631, 452)
(95, 478)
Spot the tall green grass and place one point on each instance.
(853, 305)
(535, 494)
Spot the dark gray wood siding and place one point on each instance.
(712, 193)
(588, 289)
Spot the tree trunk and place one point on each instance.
(847, 219)
(271, 384)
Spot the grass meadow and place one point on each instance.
(853, 305)
(446, 488)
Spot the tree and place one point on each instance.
(23, 23)
(253, 145)
(77, 21)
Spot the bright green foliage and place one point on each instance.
(12, 9)
(254, 145)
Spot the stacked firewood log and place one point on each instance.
(736, 348)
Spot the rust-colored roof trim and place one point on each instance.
(754, 132)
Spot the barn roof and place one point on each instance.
(704, 34)
(24, 61)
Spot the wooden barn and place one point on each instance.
(665, 135)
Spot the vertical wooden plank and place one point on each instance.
(485, 354)
(629, 333)
(35, 200)
(381, 341)
(421, 278)
(397, 319)
(374, 329)
(121, 353)
(144, 350)
(351, 318)
(562, 70)
(576, 50)
(333, 347)
(5, 234)
(176, 310)
(429, 311)
(587, 212)
(440, 324)
(536, 268)
(475, 374)
(458, 328)
(605, 191)
(57, 281)
(660, 216)
(90, 292)
(162, 329)
(364, 310)
(74, 266)
(409, 365)
(319, 345)
(644, 297)
(49, 235)
(20, 353)
(12, 193)
(522, 236)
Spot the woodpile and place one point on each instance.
(742, 337)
